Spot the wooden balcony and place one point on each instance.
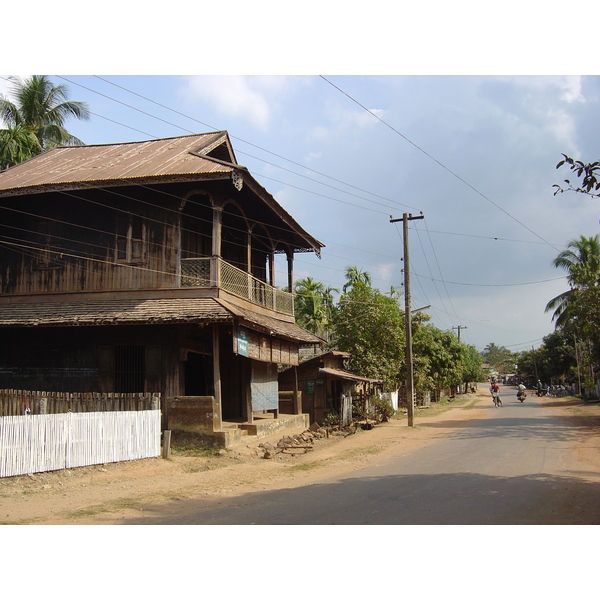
(216, 273)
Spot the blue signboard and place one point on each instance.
(242, 341)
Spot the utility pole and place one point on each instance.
(459, 327)
(410, 387)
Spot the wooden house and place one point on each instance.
(327, 386)
(147, 267)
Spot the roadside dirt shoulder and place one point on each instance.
(111, 493)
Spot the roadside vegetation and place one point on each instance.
(370, 325)
(570, 354)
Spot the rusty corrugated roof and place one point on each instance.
(208, 154)
(339, 374)
(112, 312)
(268, 325)
(153, 311)
(183, 158)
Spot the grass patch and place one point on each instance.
(359, 451)
(113, 506)
(308, 466)
(195, 451)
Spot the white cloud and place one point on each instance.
(385, 271)
(253, 98)
(231, 95)
(318, 133)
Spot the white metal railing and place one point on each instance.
(215, 272)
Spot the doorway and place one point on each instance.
(198, 375)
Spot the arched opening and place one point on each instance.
(262, 254)
(234, 237)
(196, 226)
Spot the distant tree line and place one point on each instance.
(572, 352)
(370, 325)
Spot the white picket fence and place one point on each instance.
(37, 443)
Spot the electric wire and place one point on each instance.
(238, 151)
(439, 163)
(450, 233)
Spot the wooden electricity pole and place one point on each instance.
(410, 386)
(459, 327)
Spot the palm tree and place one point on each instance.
(355, 275)
(581, 260)
(394, 292)
(17, 144)
(313, 305)
(39, 108)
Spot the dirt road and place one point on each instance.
(112, 493)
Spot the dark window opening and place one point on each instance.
(130, 362)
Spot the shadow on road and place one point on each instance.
(439, 499)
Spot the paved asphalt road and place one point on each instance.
(509, 467)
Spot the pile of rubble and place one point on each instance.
(295, 444)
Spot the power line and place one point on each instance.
(256, 146)
(438, 162)
(232, 137)
(494, 284)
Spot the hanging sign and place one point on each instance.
(242, 341)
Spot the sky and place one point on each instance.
(457, 110)
(347, 153)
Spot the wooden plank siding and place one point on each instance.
(94, 240)
(15, 402)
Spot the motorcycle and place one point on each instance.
(521, 396)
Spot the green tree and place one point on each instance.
(313, 306)
(581, 261)
(354, 276)
(441, 361)
(499, 357)
(472, 361)
(437, 358)
(589, 174)
(41, 109)
(370, 326)
(561, 357)
(17, 144)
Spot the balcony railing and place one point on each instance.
(215, 272)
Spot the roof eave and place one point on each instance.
(105, 183)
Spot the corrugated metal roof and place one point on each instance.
(184, 158)
(346, 375)
(84, 166)
(270, 325)
(151, 311)
(112, 312)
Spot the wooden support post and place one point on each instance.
(297, 396)
(166, 447)
(217, 371)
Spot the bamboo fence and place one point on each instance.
(49, 442)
